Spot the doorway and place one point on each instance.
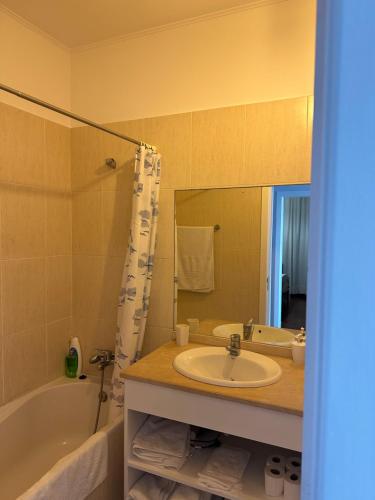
(289, 251)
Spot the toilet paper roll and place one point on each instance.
(274, 480)
(182, 334)
(276, 460)
(294, 463)
(292, 486)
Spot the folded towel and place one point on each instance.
(224, 469)
(195, 258)
(183, 492)
(76, 475)
(163, 442)
(150, 487)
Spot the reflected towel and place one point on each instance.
(224, 469)
(76, 475)
(150, 487)
(163, 442)
(195, 258)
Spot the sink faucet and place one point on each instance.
(248, 330)
(103, 357)
(234, 346)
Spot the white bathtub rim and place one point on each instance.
(9, 408)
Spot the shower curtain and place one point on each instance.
(295, 243)
(137, 273)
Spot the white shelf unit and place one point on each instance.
(263, 431)
(252, 487)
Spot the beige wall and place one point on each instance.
(259, 54)
(266, 143)
(236, 252)
(35, 250)
(35, 64)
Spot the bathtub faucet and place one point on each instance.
(103, 357)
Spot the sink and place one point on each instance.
(262, 333)
(213, 365)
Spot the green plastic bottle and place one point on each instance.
(71, 364)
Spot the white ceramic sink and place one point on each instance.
(213, 365)
(262, 333)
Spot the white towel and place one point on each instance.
(76, 475)
(224, 469)
(183, 492)
(150, 487)
(195, 257)
(163, 442)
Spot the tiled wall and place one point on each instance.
(35, 250)
(50, 175)
(265, 143)
(237, 243)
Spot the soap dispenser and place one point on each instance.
(299, 347)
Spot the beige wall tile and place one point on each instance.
(116, 216)
(162, 294)
(23, 228)
(58, 288)
(58, 336)
(23, 294)
(87, 223)
(165, 231)
(155, 337)
(87, 285)
(172, 136)
(123, 152)
(276, 142)
(218, 146)
(87, 162)
(59, 224)
(22, 144)
(58, 171)
(96, 285)
(112, 274)
(25, 365)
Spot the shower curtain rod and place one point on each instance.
(78, 118)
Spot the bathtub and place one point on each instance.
(41, 427)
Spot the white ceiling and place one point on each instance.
(81, 22)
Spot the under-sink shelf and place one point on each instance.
(253, 478)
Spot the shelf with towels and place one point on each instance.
(253, 478)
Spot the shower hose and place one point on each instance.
(101, 398)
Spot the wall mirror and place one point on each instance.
(241, 261)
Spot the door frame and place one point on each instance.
(279, 193)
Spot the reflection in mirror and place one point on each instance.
(241, 261)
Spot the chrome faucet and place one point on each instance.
(248, 330)
(103, 357)
(234, 346)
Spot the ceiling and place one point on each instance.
(81, 22)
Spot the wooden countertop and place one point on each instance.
(286, 395)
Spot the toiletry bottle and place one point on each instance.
(299, 347)
(75, 349)
(71, 364)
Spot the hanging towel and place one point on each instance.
(76, 475)
(150, 487)
(183, 492)
(162, 442)
(195, 255)
(224, 469)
